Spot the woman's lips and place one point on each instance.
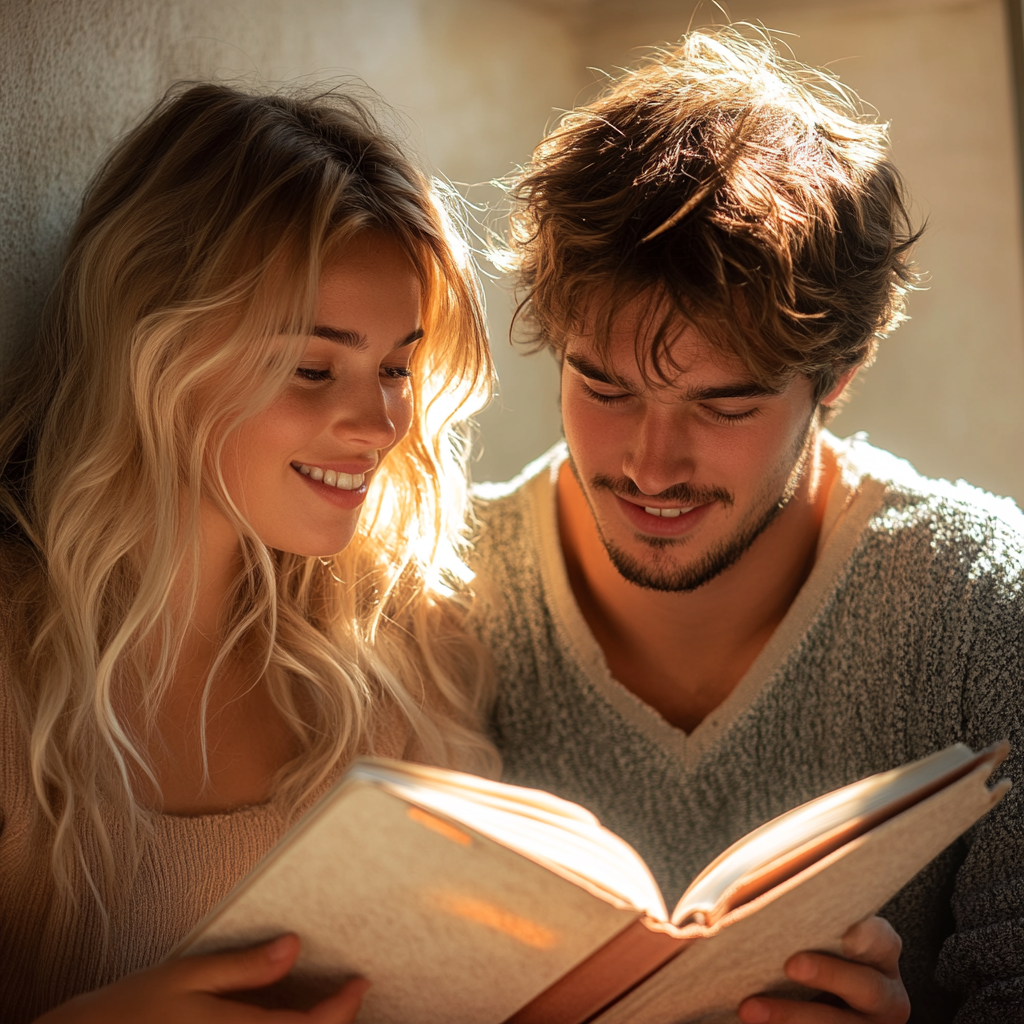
(337, 494)
(332, 477)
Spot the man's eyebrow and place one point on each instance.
(741, 389)
(354, 340)
(593, 371)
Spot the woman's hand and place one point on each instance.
(187, 991)
(867, 981)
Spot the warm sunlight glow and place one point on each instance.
(442, 828)
(490, 915)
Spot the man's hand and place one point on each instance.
(867, 981)
(188, 991)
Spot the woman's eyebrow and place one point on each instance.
(353, 339)
(350, 338)
(414, 336)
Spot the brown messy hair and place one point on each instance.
(739, 192)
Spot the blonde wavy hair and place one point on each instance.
(199, 244)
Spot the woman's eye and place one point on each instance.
(308, 373)
(396, 372)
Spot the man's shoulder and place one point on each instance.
(939, 520)
(515, 535)
(491, 496)
(505, 512)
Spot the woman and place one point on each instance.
(232, 494)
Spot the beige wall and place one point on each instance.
(477, 81)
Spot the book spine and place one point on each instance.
(606, 975)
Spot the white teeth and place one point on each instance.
(343, 481)
(668, 513)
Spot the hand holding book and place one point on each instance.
(191, 989)
(866, 979)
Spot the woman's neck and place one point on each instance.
(246, 739)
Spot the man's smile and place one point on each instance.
(662, 520)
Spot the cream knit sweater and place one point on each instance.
(188, 864)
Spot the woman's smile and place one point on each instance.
(343, 481)
(347, 405)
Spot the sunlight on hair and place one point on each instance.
(744, 193)
(194, 251)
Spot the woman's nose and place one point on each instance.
(362, 416)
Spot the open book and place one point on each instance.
(473, 901)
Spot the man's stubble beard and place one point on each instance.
(660, 574)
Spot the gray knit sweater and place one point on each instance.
(907, 636)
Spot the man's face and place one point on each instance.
(682, 477)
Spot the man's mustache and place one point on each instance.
(684, 494)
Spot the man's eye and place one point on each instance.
(308, 373)
(599, 396)
(731, 417)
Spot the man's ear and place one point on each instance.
(836, 394)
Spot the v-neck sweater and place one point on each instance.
(907, 635)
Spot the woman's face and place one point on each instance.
(299, 470)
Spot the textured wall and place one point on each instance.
(475, 81)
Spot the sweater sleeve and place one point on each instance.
(982, 961)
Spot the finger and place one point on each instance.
(239, 969)
(863, 988)
(874, 941)
(764, 1010)
(342, 1007)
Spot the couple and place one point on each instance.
(234, 504)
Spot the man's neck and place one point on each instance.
(683, 653)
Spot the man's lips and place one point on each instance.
(680, 520)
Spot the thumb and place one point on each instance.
(240, 969)
(874, 942)
(342, 1007)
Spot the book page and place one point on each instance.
(789, 843)
(745, 953)
(560, 835)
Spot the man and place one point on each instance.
(708, 609)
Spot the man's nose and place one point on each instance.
(661, 454)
